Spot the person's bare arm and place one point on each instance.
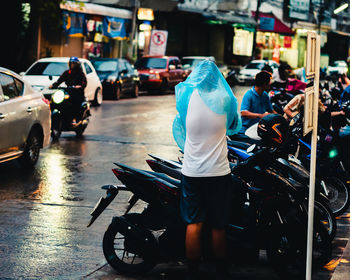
(251, 115)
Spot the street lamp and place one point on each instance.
(341, 8)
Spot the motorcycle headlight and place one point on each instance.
(58, 97)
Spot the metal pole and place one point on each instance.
(313, 162)
(257, 14)
(38, 40)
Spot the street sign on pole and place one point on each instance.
(158, 40)
(310, 125)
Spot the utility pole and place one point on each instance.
(133, 28)
(256, 17)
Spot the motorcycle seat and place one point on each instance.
(238, 144)
(176, 183)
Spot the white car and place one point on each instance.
(25, 120)
(44, 72)
(190, 62)
(248, 72)
(338, 67)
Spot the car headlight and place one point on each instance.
(58, 97)
(154, 76)
(111, 79)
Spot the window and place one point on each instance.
(87, 68)
(9, 87)
(151, 63)
(130, 68)
(105, 66)
(19, 86)
(48, 68)
(122, 66)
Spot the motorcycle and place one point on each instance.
(282, 168)
(273, 219)
(61, 112)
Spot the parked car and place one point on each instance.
(190, 62)
(337, 67)
(160, 72)
(44, 72)
(118, 76)
(247, 74)
(25, 120)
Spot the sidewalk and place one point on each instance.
(342, 272)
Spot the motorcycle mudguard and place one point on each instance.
(137, 238)
(103, 203)
(55, 113)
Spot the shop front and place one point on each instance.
(275, 40)
(301, 29)
(92, 30)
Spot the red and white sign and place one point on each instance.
(158, 42)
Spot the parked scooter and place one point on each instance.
(267, 216)
(62, 113)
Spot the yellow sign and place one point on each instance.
(145, 14)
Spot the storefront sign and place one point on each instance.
(74, 23)
(115, 28)
(267, 23)
(299, 9)
(158, 42)
(287, 41)
(145, 14)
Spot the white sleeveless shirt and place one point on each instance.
(205, 151)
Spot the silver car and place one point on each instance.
(25, 120)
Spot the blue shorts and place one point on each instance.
(206, 199)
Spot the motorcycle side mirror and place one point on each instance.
(251, 148)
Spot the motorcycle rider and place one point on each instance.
(75, 79)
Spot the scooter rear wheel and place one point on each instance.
(119, 254)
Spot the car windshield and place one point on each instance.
(48, 68)
(105, 66)
(339, 63)
(191, 61)
(151, 63)
(255, 65)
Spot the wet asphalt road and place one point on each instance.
(44, 212)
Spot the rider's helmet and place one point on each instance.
(273, 129)
(73, 60)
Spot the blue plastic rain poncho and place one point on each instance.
(215, 93)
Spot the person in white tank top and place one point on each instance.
(206, 183)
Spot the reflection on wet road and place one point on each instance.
(44, 212)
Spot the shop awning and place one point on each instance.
(270, 23)
(229, 17)
(88, 8)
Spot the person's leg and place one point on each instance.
(193, 215)
(193, 241)
(218, 202)
(219, 243)
(193, 249)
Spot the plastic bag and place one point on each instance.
(215, 93)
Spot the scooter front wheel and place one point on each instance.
(56, 128)
(119, 255)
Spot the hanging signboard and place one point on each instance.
(299, 9)
(158, 42)
(115, 28)
(74, 24)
